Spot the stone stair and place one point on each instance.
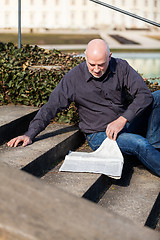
(135, 197)
(49, 147)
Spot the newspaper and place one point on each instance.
(107, 159)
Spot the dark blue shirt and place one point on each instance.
(99, 101)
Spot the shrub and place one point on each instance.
(21, 85)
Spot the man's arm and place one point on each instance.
(137, 88)
(59, 99)
(141, 95)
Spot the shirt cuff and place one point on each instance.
(30, 134)
(129, 115)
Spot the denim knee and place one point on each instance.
(95, 139)
(130, 143)
(156, 98)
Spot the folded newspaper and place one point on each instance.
(107, 159)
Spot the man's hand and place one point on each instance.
(15, 141)
(115, 127)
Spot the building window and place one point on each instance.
(155, 16)
(7, 19)
(31, 2)
(113, 18)
(31, 18)
(44, 2)
(95, 16)
(6, 2)
(44, 17)
(57, 2)
(73, 18)
(135, 3)
(145, 14)
(84, 2)
(72, 2)
(84, 17)
(57, 19)
(155, 3)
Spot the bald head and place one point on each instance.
(97, 57)
(97, 47)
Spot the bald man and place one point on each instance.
(112, 100)
(98, 57)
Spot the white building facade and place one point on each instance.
(77, 14)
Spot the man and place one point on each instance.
(112, 100)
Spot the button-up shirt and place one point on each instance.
(99, 100)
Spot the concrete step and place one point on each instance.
(133, 196)
(49, 147)
(12, 119)
(88, 185)
(33, 210)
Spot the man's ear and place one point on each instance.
(85, 52)
(110, 56)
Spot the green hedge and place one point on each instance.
(20, 85)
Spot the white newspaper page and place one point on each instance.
(107, 159)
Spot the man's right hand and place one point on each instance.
(15, 141)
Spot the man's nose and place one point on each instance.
(96, 68)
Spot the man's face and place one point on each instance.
(98, 65)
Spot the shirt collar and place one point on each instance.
(112, 68)
(88, 75)
(112, 65)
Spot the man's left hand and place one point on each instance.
(115, 127)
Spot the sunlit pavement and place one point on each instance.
(142, 37)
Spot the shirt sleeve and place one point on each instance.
(139, 91)
(60, 99)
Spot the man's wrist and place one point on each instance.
(123, 119)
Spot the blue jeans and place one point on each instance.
(139, 138)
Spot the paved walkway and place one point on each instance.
(142, 37)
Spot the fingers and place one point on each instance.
(111, 131)
(111, 134)
(15, 141)
(115, 127)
